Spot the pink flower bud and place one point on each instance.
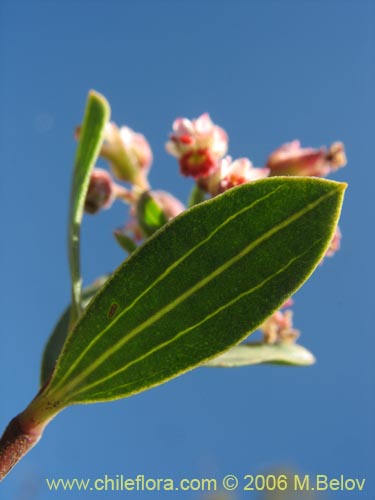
(239, 172)
(279, 328)
(101, 191)
(291, 159)
(198, 144)
(137, 146)
(129, 154)
(170, 205)
(336, 156)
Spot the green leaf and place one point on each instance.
(125, 241)
(59, 334)
(150, 215)
(96, 116)
(197, 287)
(256, 353)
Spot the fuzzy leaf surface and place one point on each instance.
(197, 287)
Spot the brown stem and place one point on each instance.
(16, 441)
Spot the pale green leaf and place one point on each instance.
(257, 353)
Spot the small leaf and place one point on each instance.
(125, 241)
(197, 287)
(256, 353)
(60, 332)
(150, 215)
(97, 114)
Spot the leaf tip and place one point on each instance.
(308, 358)
(342, 186)
(98, 98)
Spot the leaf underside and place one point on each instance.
(256, 353)
(197, 287)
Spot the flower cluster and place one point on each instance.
(201, 147)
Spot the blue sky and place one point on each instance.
(268, 72)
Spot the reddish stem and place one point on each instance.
(16, 441)
(25, 430)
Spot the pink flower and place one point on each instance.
(128, 153)
(198, 163)
(198, 144)
(101, 191)
(291, 159)
(238, 172)
(230, 174)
